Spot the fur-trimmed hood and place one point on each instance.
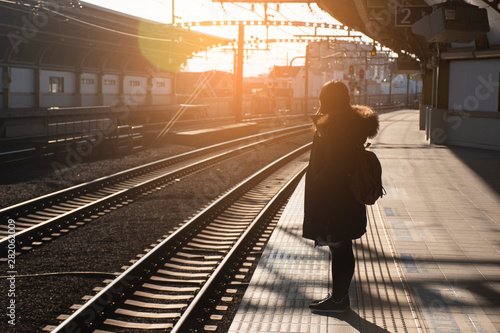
(357, 124)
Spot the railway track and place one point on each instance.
(41, 219)
(187, 281)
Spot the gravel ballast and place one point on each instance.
(21, 184)
(111, 241)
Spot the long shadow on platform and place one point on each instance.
(479, 287)
(437, 297)
(357, 322)
(485, 163)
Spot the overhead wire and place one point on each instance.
(313, 12)
(69, 17)
(97, 26)
(278, 45)
(286, 18)
(262, 26)
(263, 18)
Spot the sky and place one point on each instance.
(256, 62)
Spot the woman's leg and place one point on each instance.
(343, 264)
(342, 272)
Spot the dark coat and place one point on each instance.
(331, 213)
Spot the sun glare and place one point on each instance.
(260, 55)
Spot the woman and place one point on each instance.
(332, 216)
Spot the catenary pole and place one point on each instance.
(238, 91)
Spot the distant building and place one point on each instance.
(283, 79)
(210, 84)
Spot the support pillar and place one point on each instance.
(443, 85)
(407, 90)
(6, 81)
(149, 90)
(427, 85)
(38, 88)
(306, 85)
(121, 89)
(100, 89)
(78, 89)
(238, 91)
(436, 127)
(390, 88)
(173, 89)
(365, 81)
(427, 88)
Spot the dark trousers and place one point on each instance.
(342, 268)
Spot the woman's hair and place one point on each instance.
(334, 96)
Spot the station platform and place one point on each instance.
(429, 262)
(206, 136)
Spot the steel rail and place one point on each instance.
(84, 210)
(69, 192)
(93, 313)
(191, 319)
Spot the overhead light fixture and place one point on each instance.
(453, 22)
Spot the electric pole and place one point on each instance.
(238, 75)
(173, 11)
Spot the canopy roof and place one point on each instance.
(62, 34)
(376, 19)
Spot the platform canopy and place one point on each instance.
(382, 21)
(74, 34)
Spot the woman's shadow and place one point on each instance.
(357, 322)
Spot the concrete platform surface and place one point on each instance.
(212, 135)
(430, 261)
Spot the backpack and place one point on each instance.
(366, 178)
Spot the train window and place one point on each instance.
(135, 83)
(160, 84)
(56, 84)
(87, 81)
(109, 82)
